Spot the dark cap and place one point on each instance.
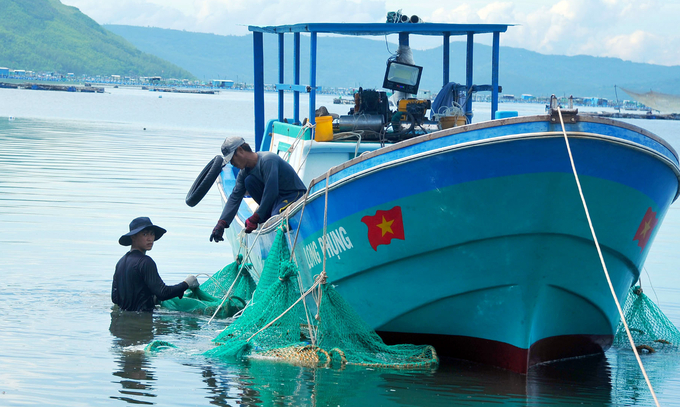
(136, 226)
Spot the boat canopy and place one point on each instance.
(439, 29)
(404, 30)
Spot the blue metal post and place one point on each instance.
(312, 78)
(403, 39)
(258, 91)
(495, 53)
(281, 76)
(468, 76)
(446, 57)
(296, 73)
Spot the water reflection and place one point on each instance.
(57, 178)
(264, 383)
(572, 381)
(132, 331)
(663, 370)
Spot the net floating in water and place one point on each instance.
(649, 327)
(158, 345)
(209, 296)
(275, 326)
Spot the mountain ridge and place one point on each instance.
(46, 35)
(211, 56)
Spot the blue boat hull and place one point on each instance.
(475, 239)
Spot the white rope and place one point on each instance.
(349, 134)
(297, 232)
(604, 266)
(651, 285)
(286, 311)
(303, 295)
(245, 258)
(293, 258)
(304, 159)
(323, 275)
(211, 278)
(298, 137)
(454, 110)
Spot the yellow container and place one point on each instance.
(446, 122)
(324, 128)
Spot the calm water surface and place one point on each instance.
(76, 168)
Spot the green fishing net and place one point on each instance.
(275, 326)
(276, 291)
(158, 345)
(650, 328)
(234, 279)
(349, 340)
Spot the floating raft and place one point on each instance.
(620, 115)
(62, 88)
(197, 91)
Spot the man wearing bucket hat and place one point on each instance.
(136, 283)
(267, 177)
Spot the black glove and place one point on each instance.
(218, 231)
(251, 222)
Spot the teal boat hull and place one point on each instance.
(475, 239)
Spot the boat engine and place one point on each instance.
(371, 112)
(372, 115)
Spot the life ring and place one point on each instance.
(204, 181)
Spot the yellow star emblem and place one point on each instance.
(386, 226)
(646, 229)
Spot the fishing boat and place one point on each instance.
(472, 238)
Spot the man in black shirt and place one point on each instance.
(267, 177)
(136, 283)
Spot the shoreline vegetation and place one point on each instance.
(46, 35)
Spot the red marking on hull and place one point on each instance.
(504, 355)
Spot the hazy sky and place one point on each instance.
(633, 30)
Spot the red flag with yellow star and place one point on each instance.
(646, 228)
(384, 226)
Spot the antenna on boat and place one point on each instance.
(617, 99)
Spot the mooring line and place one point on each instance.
(604, 266)
(245, 258)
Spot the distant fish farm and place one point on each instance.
(63, 88)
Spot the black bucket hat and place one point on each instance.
(136, 226)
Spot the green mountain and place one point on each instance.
(353, 62)
(45, 35)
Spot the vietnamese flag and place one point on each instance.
(384, 226)
(646, 228)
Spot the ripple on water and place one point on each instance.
(68, 189)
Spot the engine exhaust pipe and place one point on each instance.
(414, 19)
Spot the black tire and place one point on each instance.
(204, 181)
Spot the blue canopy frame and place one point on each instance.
(404, 30)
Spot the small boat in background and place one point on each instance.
(343, 101)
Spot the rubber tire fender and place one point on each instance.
(204, 181)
